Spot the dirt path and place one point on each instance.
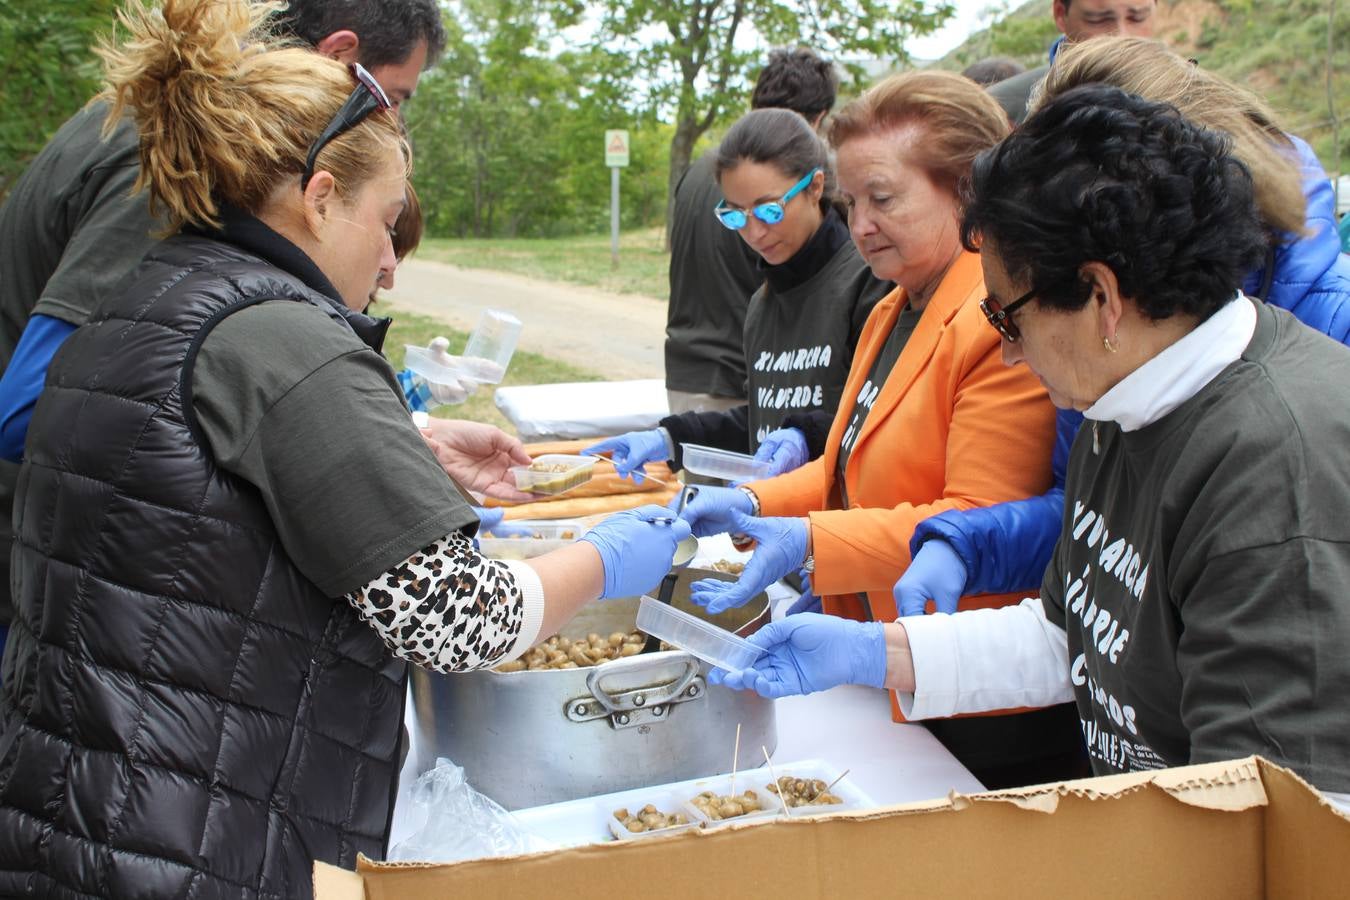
(618, 335)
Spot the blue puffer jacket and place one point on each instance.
(1007, 547)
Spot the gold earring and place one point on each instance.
(1106, 342)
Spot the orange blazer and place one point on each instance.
(953, 428)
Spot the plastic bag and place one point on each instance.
(461, 823)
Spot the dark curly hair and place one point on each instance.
(388, 29)
(798, 80)
(1101, 175)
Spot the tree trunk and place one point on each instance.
(687, 133)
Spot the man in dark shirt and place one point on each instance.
(712, 271)
(1078, 20)
(70, 231)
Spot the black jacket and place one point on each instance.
(183, 713)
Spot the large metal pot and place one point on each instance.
(529, 738)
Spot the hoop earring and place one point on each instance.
(1106, 342)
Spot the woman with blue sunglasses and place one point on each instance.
(804, 321)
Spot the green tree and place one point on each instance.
(508, 133)
(47, 72)
(692, 55)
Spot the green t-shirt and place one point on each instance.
(1201, 575)
(298, 406)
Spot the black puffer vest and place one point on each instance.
(183, 713)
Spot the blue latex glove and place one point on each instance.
(709, 512)
(936, 573)
(807, 601)
(631, 451)
(785, 449)
(636, 551)
(491, 520)
(811, 652)
(489, 517)
(782, 547)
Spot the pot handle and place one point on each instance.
(636, 698)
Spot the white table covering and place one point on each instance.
(583, 409)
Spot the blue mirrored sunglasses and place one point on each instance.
(770, 213)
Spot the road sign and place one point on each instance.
(616, 148)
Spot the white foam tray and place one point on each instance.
(578, 822)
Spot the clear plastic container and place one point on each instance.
(664, 802)
(703, 639)
(491, 345)
(526, 539)
(722, 787)
(713, 463)
(448, 381)
(554, 473)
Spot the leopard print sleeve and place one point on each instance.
(449, 609)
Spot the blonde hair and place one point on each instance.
(959, 121)
(1150, 70)
(227, 112)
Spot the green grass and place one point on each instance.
(643, 261)
(526, 368)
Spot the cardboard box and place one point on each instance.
(1239, 829)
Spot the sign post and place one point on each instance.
(616, 157)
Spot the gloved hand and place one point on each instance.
(807, 601)
(936, 573)
(491, 521)
(811, 652)
(489, 517)
(632, 451)
(709, 512)
(782, 547)
(785, 449)
(635, 550)
(449, 390)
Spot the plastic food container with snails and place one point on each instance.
(559, 652)
(804, 792)
(528, 539)
(554, 473)
(722, 801)
(659, 813)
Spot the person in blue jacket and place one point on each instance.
(1006, 547)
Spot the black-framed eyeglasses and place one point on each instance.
(1000, 316)
(364, 100)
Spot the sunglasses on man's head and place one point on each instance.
(770, 213)
(1000, 316)
(367, 97)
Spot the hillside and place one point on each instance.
(1278, 48)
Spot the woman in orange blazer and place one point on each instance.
(931, 418)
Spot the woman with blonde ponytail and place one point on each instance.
(229, 535)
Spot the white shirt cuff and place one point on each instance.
(986, 659)
(532, 598)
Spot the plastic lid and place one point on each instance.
(711, 462)
(703, 639)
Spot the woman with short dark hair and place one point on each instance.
(1195, 606)
(1302, 270)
